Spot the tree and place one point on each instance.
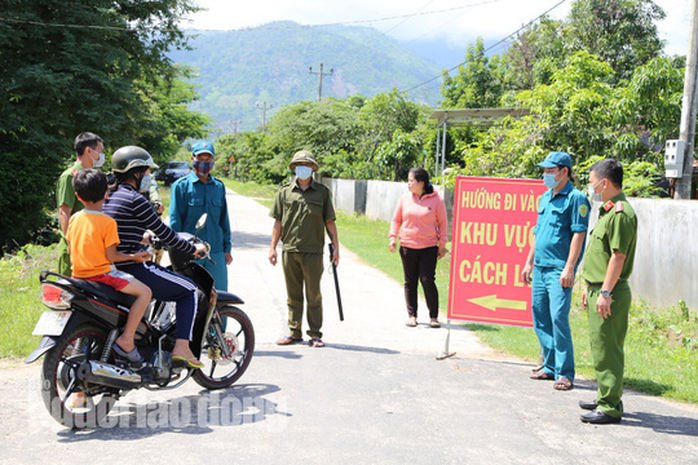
(323, 128)
(398, 155)
(622, 33)
(581, 112)
(164, 120)
(68, 67)
(478, 82)
(254, 160)
(382, 116)
(535, 55)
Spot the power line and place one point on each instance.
(378, 36)
(488, 48)
(246, 29)
(407, 18)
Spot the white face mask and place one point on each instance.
(593, 195)
(99, 162)
(303, 172)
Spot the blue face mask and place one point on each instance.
(303, 172)
(145, 183)
(549, 180)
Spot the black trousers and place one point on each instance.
(420, 265)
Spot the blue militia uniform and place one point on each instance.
(559, 218)
(191, 198)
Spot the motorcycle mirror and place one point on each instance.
(201, 222)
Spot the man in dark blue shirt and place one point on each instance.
(563, 218)
(198, 193)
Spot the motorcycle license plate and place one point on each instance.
(52, 323)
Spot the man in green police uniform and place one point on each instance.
(89, 148)
(303, 210)
(606, 269)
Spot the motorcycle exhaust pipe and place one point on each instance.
(104, 374)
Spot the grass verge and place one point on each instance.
(20, 307)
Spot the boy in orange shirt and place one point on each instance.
(92, 237)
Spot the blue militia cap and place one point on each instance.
(555, 159)
(203, 147)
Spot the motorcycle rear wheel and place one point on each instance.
(62, 391)
(222, 371)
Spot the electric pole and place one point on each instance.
(688, 109)
(320, 75)
(264, 115)
(232, 124)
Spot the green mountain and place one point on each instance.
(241, 70)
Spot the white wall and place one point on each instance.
(382, 197)
(666, 259)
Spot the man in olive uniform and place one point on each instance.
(89, 148)
(606, 269)
(302, 211)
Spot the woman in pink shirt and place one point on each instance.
(421, 214)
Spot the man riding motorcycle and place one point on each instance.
(134, 215)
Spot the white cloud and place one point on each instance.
(491, 19)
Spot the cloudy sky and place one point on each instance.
(455, 22)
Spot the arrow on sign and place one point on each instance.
(491, 302)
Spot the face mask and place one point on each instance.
(592, 192)
(99, 162)
(145, 183)
(549, 180)
(203, 167)
(303, 172)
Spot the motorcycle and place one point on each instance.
(82, 377)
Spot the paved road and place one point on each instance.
(375, 394)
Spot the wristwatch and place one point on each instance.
(605, 293)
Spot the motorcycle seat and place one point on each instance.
(104, 291)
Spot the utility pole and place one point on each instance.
(688, 109)
(320, 75)
(232, 124)
(264, 115)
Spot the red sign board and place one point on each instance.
(493, 222)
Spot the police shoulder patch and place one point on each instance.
(619, 206)
(583, 210)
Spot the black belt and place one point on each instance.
(620, 281)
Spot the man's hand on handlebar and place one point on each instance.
(201, 250)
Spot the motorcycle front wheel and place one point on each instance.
(70, 401)
(236, 334)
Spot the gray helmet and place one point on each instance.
(129, 157)
(303, 156)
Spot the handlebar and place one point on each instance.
(178, 258)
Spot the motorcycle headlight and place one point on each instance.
(55, 297)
